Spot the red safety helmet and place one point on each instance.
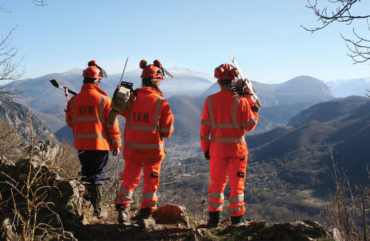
(94, 71)
(152, 71)
(226, 72)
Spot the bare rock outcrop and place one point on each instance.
(36, 201)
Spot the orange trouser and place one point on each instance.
(219, 169)
(131, 179)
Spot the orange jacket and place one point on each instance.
(225, 116)
(148, 120)
(87, 114)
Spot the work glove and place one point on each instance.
(116, 151)
(66, 93)
(255, 109)
(206, 155)
(241, 87)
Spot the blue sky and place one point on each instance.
(265, 36)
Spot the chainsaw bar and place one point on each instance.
(247, 81)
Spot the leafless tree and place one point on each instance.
(9, 65)
(342, 11)
(2, 9)
(40, 2)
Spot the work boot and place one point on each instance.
(237, 220)
(123, 214)
(96, 193)
(214, 219)
(145, 219)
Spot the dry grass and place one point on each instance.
(11, 145)
(348, 209)
(28, 189)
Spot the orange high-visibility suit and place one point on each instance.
(87, 114)
(148, 121)
(225, 116)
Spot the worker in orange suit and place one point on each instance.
(87, 114)
(148, 120)
(225, 117)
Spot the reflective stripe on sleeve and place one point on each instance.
(250, 122)
(166, 130)
(227, 140)
(143, 146)
(237, 199)
(116, 141)
(206, 138)
(204, 122)
(157, 109)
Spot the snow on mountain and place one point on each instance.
(348, 87)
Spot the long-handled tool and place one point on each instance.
(57, 85)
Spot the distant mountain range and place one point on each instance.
(44, 98)
(348, 87)
(186, 94)
(282, 101)
(300, 153)
(301, 89)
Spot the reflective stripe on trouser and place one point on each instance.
(220, 168)
(216, 201)
(131, 179)
(124, 197)
(236, 206)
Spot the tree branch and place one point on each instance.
(359, 46)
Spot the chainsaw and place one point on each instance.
(246, 83)
(121, 97)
